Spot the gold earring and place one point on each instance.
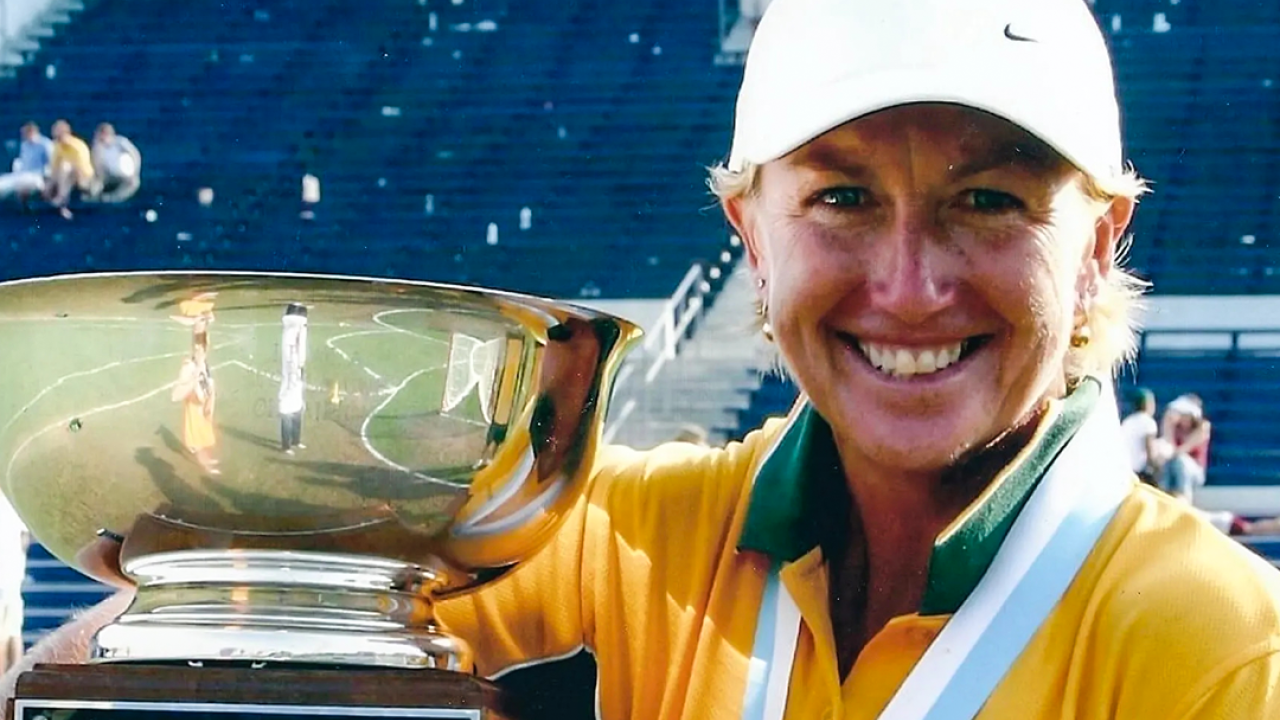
(1081, 336)
(762, 310)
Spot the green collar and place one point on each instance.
(801, 475)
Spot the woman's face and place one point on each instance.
(923, 268)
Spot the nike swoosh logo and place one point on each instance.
(1009, 33)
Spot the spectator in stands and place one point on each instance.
(691, 433)
(1262, 526)
(70, 168)
(1140, 433)
(117, 166)
(1183, 454)
(13, 570)
(27, 178)
(933, 200)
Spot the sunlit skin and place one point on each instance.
(920, 226)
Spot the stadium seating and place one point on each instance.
(52, 592)
(1200, 108)
(604, 139)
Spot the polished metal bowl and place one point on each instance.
(445, 432)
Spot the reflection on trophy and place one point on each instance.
(448, 432)
(293, 362)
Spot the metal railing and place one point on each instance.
(631, 395)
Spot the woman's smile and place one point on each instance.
(916, 362)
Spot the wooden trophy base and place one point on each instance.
(122, 691)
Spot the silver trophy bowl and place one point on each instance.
(293, 468)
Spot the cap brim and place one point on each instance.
(775, 135)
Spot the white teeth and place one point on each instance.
(903, 362)
(872, 353)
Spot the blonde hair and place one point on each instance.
(1113, 318)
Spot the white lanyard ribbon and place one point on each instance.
(1045, 549)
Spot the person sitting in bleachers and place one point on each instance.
(70, 169)
(1140, 433)
(27, 178)
(1184, 442)
(117, 166)
(693, 434)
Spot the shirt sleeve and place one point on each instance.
(642, 515)
(131, 150)
(533, 613)
(84, 160)
(1248, 692)
(1148, 427)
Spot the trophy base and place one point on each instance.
(164, 692)
(273, 606)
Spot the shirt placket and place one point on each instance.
(815, 677)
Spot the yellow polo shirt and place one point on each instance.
(660, 571)
(72, 149)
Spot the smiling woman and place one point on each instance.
(924, 270)
(947, 526)
(1111, 323)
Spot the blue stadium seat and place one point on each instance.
(250, 95)
(53, 592)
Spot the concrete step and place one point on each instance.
(657, 431)
(22, 45)
(686, 411)
(695, 378)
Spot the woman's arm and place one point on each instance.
(1154, 461)
(209, 396)
(1196, 438)
(186, 383)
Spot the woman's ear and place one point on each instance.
(740, 213)
(1108, 233)
(1099, 256)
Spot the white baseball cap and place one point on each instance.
(1040, 64)
(1184, 405)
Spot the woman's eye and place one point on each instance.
(991, 201)
(843, 197)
